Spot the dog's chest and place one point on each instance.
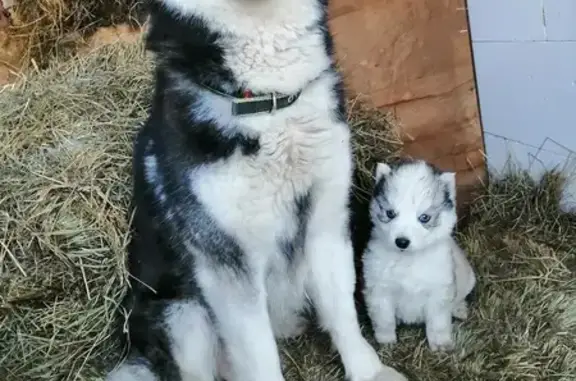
(294, 149)
(418, 282)
(259, 211)
(260, 199)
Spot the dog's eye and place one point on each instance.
(390, 214)
(424, 218)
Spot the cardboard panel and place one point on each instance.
(413, 57)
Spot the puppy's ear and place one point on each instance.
(382, 169)
(449, 180)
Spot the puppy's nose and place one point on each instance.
(402, 242)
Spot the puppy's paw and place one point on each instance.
(447, 346)
(386, 337)
(460, 310)
(441, 342)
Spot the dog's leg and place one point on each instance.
(332, 282)
(439, 324)
(194, 341)
(287, 301)
(460, 310)
(238, 302)
(382, 314)
(464, 282)
(464, 276)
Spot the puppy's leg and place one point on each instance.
(194, 341)
(464, 276)
(238, 302)
(460, 310)
(382, 314)
(331, 287)
(439, 324)
(465, 281)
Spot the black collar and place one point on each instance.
(245, 103)
(268, 103)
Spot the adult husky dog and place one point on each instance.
(241, 181)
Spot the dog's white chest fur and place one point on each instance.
(294, 147)
(413, 280)
(253, 196)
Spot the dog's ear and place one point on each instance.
(449, 181)
(382, 169)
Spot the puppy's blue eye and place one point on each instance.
(390, 214)
(424, 218)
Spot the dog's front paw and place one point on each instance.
(440, 341)
(365, 365)
(386, 337)
(388, 374)
(460, 310)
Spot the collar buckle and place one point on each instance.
(274, 103)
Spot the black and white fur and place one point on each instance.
(240, 222)
(414, 271)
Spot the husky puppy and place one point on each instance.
(414, 270)
(242, 174)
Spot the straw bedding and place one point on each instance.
(65, 142)
(53, 28)
(34, 32)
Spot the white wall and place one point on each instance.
(525, 62)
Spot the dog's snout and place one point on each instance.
(402, 242)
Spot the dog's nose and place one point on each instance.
(402, 242)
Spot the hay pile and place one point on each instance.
(65, 143)
(42, 30)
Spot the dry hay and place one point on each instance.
(64, 185)
(64, 144)
(41, 30)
